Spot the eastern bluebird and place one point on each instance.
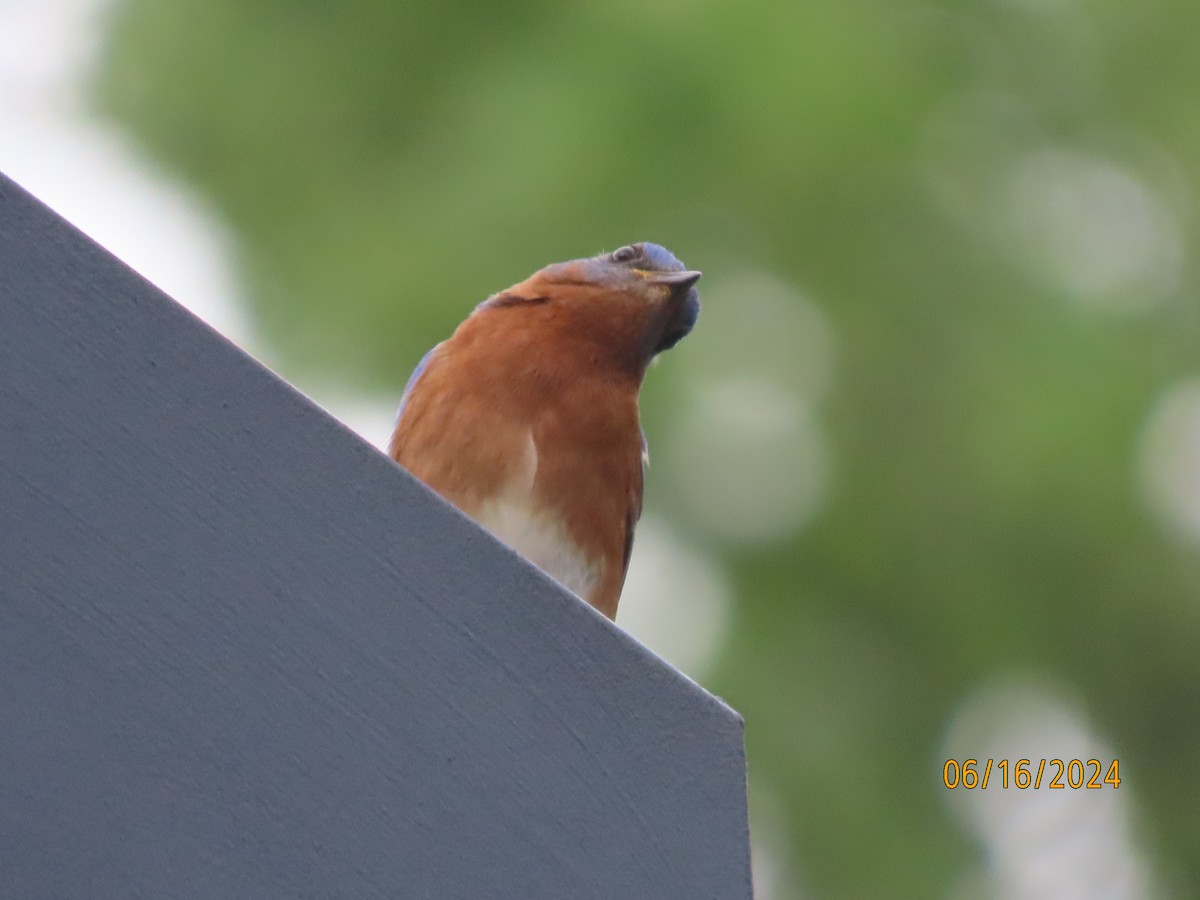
(526, 418)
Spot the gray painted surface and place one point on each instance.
(244, 655)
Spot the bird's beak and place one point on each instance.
(678, 280)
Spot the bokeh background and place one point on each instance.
(925, 481)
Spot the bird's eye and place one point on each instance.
(625, 254)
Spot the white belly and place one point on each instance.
(542, 541)
(534, 533)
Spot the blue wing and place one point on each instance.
(412, 381)
(635, 500)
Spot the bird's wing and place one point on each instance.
(412, 381)
(634, 512)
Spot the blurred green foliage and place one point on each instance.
(386, 165)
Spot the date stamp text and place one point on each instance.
(1056, 774)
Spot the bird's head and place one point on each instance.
(639, 294)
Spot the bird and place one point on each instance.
(526, 417)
